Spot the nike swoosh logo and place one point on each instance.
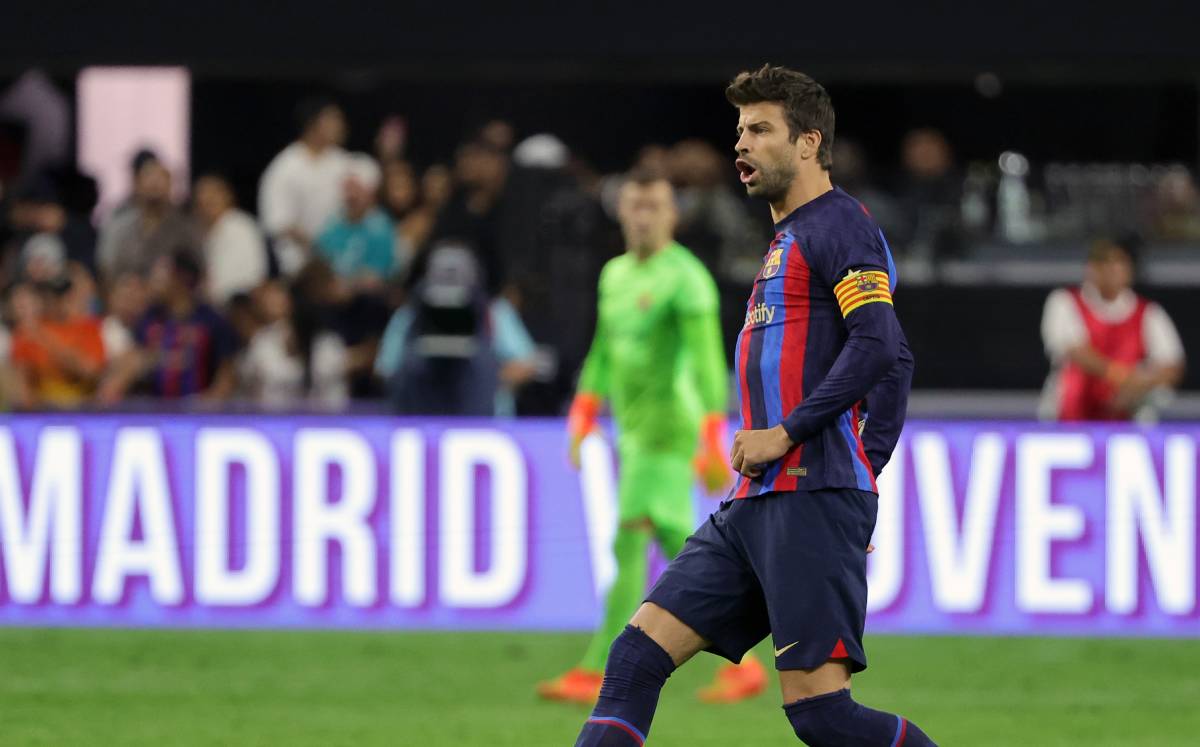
(781, 651)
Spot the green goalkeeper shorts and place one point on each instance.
(657, 486)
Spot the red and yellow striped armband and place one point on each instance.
(862, 287)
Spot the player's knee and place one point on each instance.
(635, 661)
(641, 525)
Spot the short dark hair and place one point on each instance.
(806, 104)
(141, 158)
(1129, 244)
(309, 110)
(644, 176)
(187, 267)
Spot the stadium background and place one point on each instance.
(1094, 92)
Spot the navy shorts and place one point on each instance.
(793, 565)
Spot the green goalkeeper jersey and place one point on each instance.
(657, 356)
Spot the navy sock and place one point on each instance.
(636, 671)
(835, 720)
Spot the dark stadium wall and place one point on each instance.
(617, 39)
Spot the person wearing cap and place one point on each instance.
(1114, 354)
(360, 243)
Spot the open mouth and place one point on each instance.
(746, 170)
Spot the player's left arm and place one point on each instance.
(887, 406)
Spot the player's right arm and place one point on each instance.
(700, 330)
(591, 391)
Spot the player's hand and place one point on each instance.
(1132, 390)
(581, 421)
(712, 465)
(753, 449)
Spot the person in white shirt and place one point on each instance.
(292, 362)
(235, 254)
(126, 302)
(1114, 355)
(301, 190)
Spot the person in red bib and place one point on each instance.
(1114, 354)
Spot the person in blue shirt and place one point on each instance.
(451, 350)
(360, 242)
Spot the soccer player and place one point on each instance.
(823, 371)
(657, 358)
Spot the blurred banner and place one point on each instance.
(379, 522)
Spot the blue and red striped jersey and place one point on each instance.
(820, 335)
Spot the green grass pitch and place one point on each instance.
(149, 687)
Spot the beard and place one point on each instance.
(773, 182)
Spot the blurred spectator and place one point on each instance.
(475, 212)
(449, 351)
(359, 244)
(150, 226)
(411, 212)
(392, 139)
(1114, 354)
(498, 134)
(184, 347)
(713, 221)
(235, 254)
(852, 172)
(125, 307)
(45, 234)
(930, 195)
(45, 113)
(245, 314)
(7, 372)
(1176, 207)
(57, 350)
(301, 190)
(330, 303)
(437, 186)
(294, 360)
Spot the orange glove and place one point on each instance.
(581, 420)
(712, 458)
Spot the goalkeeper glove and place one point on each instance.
(712, 458)
(581, 421)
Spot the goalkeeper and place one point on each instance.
(657, 358)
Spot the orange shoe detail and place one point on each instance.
(576, 686)
(736, 682)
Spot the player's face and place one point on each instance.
(1111, 274)
(766, 154)
(647, 215)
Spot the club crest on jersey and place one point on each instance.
(774, 259)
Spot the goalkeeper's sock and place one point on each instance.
(835, 720)
(637, 669)
(627, 592)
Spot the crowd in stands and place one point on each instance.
(465, 287)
